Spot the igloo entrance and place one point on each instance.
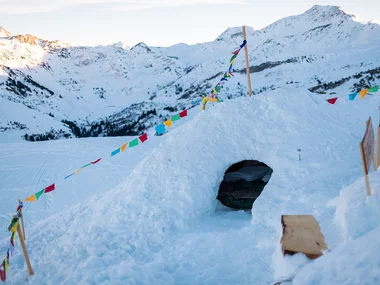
(243, 182)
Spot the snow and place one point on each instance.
(150, 215)
(163, 225)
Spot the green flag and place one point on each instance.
(39, 193)
(176, 117)
(233, 57)
(133, 143)
(217, 88)
(374, 89)
(88, 164)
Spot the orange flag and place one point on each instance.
(168, 123)
(123, 147)
(31, 198)
(363, 93)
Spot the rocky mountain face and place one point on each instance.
(54, 90)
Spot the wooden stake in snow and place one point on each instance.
(367, 146)
(23, 246)
(247, 63)
(377, 156)
(22, 221)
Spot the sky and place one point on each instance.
(154, 22)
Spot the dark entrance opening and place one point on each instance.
(243, 182)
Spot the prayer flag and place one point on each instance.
(183, 114)
(374, 89)
(122, 148)
(50, 188)
(115, 152)
(176, 117)
(39, 193)
(332, 100)
(143, 137)
(31, 198)
(236, 51)
(160, 129)
(243, 44)
(3, 275)
(69, 175)
(134, 142)
(88, 164)
(352, 96)
(363, 93)
(77, 171)
(96, 161)
(168, 123)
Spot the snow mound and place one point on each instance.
(356, 260)
(128, 235)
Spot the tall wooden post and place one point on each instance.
(26, 255)
(247, 63)
(22, 221)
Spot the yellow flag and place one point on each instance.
(168, 123)
(214, 100)
(123, 147)
(14, 227)
(31, 198)
(79, 170)
(232, 61)
(363, 93)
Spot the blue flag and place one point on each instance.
(160, 129)
(115, 152)
(352, 96)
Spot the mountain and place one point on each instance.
(60, 90)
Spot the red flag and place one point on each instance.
(236, 51)
(50, 188)
(143, 137)
(183, 114)
(332, 100)
(96, 161)
(18, 208)
(3, 275)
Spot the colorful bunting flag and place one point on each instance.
(160, 129)
(352, 96)
(69, 175)
(3, 275)
(134, 142)
(143, 138)
(31, 198)
(332, 100)
(50, 188)
(183, 114)
(88, 164)
(38, 194)
(96, 161)
(115, 152)
(176, 117)
(374, 89)
(236, 51)
(122, 148)
(168, 123)
(77, 171)
(363, 93)
(243, 44)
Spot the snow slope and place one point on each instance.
(161, 225)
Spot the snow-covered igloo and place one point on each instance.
(243, 182)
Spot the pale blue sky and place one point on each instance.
(155, 22)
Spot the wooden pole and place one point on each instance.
(365, 171)
(26, 255)
(247, 70)
(22, 221)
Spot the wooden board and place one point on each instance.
(301, 234)
(368, 146)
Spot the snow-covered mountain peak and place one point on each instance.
(326, 13)
(141, 48)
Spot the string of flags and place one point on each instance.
(352, 96)
(12, 228)
(210, 97)
(160, 129)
